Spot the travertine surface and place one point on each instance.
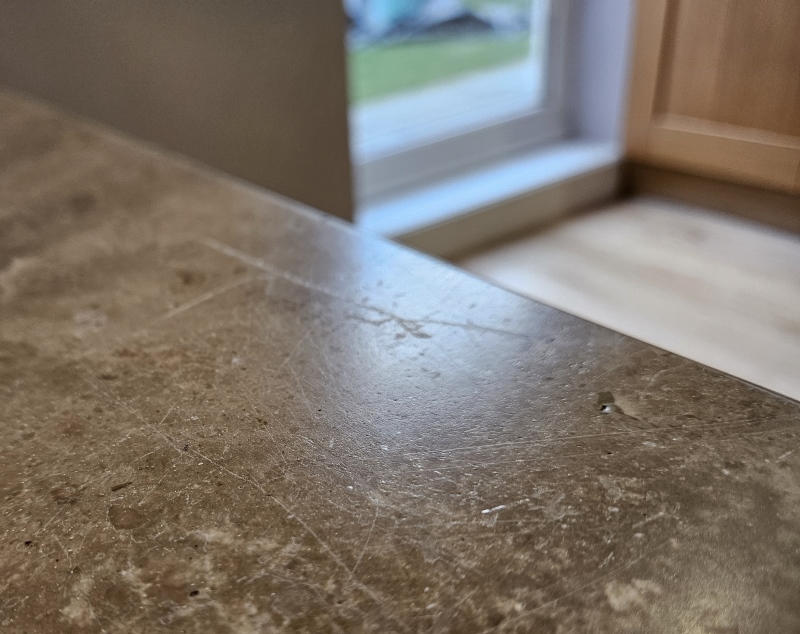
(222, 413)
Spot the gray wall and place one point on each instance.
(597, 74)
(256, 88)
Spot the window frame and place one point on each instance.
(385, 175)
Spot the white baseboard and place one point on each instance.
(463, 214)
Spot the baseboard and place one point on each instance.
(463, 215)
(510, 218)
(777, 209)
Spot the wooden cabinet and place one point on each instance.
(715, 89)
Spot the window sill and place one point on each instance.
(462, 214)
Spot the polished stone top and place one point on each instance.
(222, 412)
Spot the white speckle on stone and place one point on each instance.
(88, 321)
(624, 597)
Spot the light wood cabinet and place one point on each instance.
(715, 89)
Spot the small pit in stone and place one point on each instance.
(605, 401)
(123, 517)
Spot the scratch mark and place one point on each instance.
(143, 456)
(453, 610)
(214, 292)
(260, 264)
(155, 486)
(472, 326)
(291, 513)
(85, 535)
(47, 523)
(286, 507)
(647, 520)
(294, 350)
(411, 326)
(58, 512)
(66, 552)
(168, 439)
(494, 509)
(654, 377)
(366, 543)
(591, 582)
(566, 438)
(302, 392)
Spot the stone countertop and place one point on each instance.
(225, 413)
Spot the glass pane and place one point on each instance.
(423, 69)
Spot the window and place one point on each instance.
(439, 87)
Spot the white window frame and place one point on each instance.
(383, 176)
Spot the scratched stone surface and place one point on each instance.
(224, 413)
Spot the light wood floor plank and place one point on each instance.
(707, 286)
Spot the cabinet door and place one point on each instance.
(715, 89)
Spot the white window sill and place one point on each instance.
(459, 214)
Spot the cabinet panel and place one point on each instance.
(715, 89)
